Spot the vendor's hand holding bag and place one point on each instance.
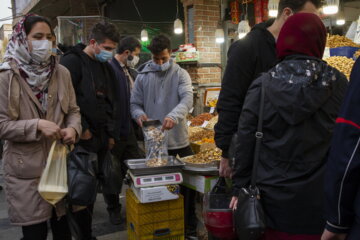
(249, 214)
(53, 182)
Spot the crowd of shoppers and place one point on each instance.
(308, 171)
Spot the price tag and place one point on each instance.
(188, 123)
(212, 110)
(191, 110)
(205, 124)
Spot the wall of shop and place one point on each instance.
(205, 19)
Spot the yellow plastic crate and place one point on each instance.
(166, 230)
(132, 236)
(154, 221)
(145, 213)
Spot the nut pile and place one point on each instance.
(200, 119)
(357, 54)
(334, 41)
(156, 162)
(343, 64)
(212, 122)
(198, 133)
(205, 157)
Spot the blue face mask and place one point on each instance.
(104, 56)
(165, 66)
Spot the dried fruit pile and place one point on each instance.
(200, 119)
(198, 133)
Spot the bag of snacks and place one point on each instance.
(155, 143)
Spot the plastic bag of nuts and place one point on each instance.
(155, 143)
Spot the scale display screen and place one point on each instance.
(157, 180)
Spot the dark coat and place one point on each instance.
(123, 98)
(247, 59)
(302, 99)
(343, 169)
(83, 81)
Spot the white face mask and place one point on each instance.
(41, 50)
(133, 62)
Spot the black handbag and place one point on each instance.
(249, 214)
(82, 180)
(111, 175)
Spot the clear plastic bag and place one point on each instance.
(53, 182)
(155, 143)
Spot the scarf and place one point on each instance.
(37, 75)
(302, 34)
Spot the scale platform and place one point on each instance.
(156, 179)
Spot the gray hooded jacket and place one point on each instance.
(160, 93)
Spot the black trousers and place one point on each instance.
(99, 144)
(59, 227)
(189, 196)
(125, 149)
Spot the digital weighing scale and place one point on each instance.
(156, 179)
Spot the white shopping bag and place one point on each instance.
(53, 182)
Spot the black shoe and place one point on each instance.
(1, 188)
(115, 216)
(93, 238)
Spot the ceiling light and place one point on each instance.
(243, 28)
(144, 35)
(178, 26)
(219, 35)
(273, 8)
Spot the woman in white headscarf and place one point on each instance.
(37, 106)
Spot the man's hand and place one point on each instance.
(141, 119)
(68, 135)
(86, 135)
(111, 143)
(168, 124)
(225, 169)
(327, 235)
(49, 129)
(233, 203)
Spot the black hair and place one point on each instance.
(297, 5)
(128, 43)
(30, 21)
(159, 44)
(104, 30)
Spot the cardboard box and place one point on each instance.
(202, 184)
(155, 194)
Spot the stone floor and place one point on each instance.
(102, 228)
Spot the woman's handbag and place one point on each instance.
(249, 214)
(82, 179)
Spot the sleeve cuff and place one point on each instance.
(336, 229)
(225, 153)
(31, 130)
(173, 118)
(236, 192)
